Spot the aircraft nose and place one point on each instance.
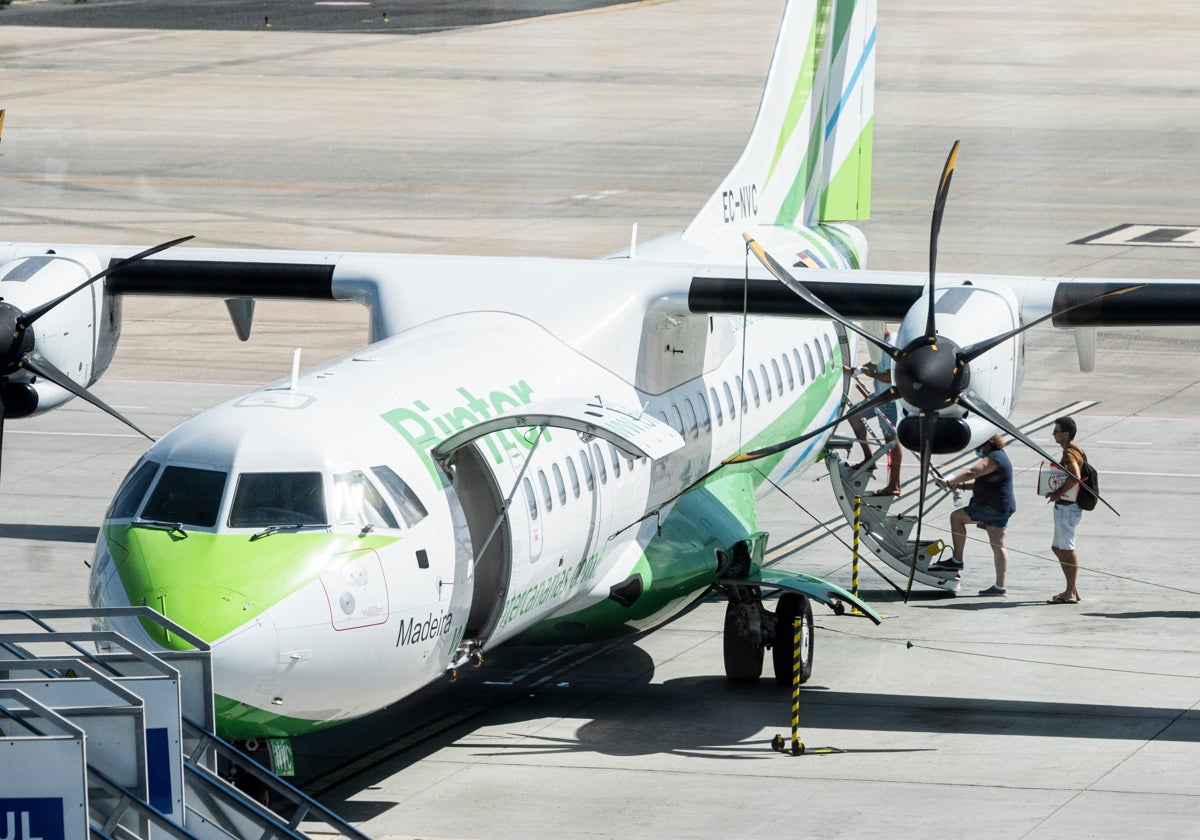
(207, 610)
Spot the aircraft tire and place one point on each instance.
(743, 653)
(792, 606)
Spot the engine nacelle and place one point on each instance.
(78, 336)
(966, 315)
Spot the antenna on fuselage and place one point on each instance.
(633, 242)
(295, 370)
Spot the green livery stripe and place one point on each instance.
(237, 720)
(793, 203)
(848, 196)
(681, 560)
(841, 24)
(845, 245)
(255, 574)
(802, 90)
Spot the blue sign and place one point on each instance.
(31, 819)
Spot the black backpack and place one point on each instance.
(1090, 479)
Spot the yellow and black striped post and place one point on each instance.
(854, 556)
(797, 745)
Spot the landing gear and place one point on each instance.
(783, 651)
(743, 640)
(750, 630)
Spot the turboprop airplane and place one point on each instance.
(554, 450)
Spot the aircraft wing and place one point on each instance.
(829, 594)
(865, 294)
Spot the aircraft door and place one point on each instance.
(490, 543)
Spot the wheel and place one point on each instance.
(743, 648)
(790, 607)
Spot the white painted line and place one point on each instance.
(73, 434)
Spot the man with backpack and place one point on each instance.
(1067, 512)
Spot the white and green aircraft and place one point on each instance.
(536, 450)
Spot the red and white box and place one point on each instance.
(1051, 478)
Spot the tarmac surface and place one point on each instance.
(1001, 718)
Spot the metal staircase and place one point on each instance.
(884, 532)
(102, 738)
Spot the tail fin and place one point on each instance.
(808, 159)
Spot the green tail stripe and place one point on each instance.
(802, 90)
(793, 203)
(848, 195)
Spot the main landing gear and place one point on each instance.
(750, 629)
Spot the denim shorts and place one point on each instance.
(985, 517)
(888, 410)
(1066, 520)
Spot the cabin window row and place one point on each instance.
(552, 488)
(778, 376)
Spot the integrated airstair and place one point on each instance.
(101, 738)
(885, 532)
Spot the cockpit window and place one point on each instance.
(357, 502)
(410, 507)
(289, 498)
(133, 490)
(186, 495)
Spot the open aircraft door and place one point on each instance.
(492, 502)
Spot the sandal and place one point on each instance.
(1060, 598)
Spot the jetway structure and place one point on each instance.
(100, 737)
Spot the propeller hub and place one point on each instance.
(15, 339)
(930, 375)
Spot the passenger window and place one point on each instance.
(829, 350)
(186, 495)
(787, 366)
(616, 459)
(530, 498)
(574, 476)
(133, 490)
(407, 502)
(600, 463)
(559, 485)
(741, 389)
(820, 356)
(588, 476)
(676, 419)
(692, 426)
(287, 498)
(778, 377)
(799, 366)
(766, 381)
(545, 485)
(753, 386)
(702, 407)
(808, 357)
(729, 400)
(357, 502)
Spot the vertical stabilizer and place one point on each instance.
(808, 159)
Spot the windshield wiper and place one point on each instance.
(275, 529)
(169, 527)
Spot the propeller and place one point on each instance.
(931, 372)
(17, 342)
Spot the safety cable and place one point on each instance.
(908, 643)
